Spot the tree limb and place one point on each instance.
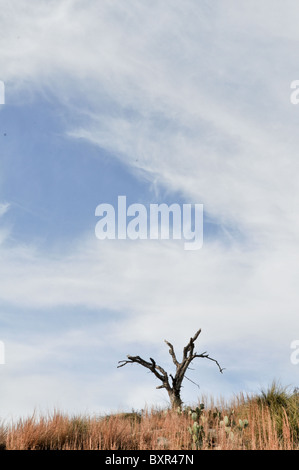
(206, 356)
(172, 353)
(192, 381)
(181, 367)
(157, 370)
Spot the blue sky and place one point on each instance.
(162, 102)
(54, 183)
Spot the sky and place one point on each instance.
(163, 102)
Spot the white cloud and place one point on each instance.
(196, 97)
(4, 208)
(245, 303)
(203, 119)
(228, 291)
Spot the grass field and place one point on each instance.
(267, 421)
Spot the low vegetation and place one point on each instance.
(267, 421)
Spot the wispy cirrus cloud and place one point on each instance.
(4, 207)
(179, 103)
(195, 97)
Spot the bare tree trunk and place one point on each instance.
(173, 389)
(175, 399)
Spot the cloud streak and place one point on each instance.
(195, 98)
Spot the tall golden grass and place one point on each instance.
(273, 424)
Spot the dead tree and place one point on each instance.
(173, 388)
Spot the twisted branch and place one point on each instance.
(181, 367)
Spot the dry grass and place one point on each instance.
(273, 423)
